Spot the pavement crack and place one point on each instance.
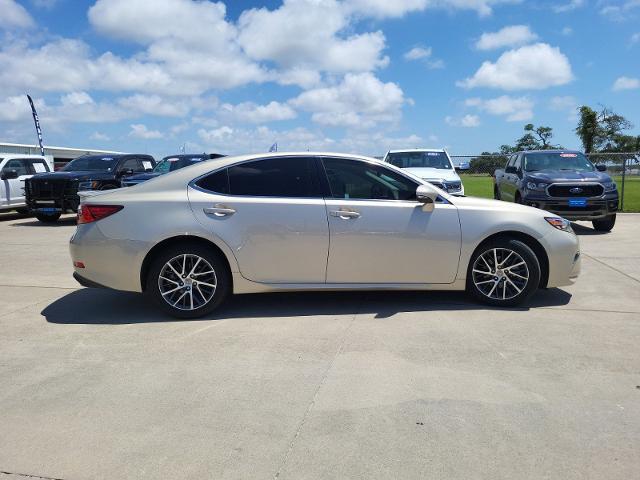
(612, 268)
(343, 340)
(27, 475)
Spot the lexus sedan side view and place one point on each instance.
(312, 221)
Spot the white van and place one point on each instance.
(14, 170)
(432, 165)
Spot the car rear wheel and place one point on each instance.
(503, 272)
(48, 217)
(606, 224)
(496, 192)
(188, 281)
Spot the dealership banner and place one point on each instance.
(37, 122)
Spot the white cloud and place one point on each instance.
(14, 108)
(534, 67)
(635, 38)
(14, 15)
(99, 137)
(511, 36)
(619, 11)
(566, 104)
(417, 53)
(468, 121)
(308, 34)
(253, 113)
(566, 31)
(626, 83)
(139, 130)
(398, 8)
(568, 7)
(156, 105)
(515, 109)
(359, 101)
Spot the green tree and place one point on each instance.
(536, 138)
(602, 131)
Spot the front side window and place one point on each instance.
(16, 164)
(438, 160)
(273, 177)
(361, 180)
(132, 164)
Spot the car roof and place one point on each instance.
(11, 156)
(409, 150)
(549, 151)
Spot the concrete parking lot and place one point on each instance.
(97, 384)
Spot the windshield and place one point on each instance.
(438, 160)
(93, 163)
(169, 164)
(557, 161)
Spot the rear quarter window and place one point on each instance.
(216, 182)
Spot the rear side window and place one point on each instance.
(217, 182)
(274, 177)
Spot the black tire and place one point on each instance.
(518, 198)
(606, 224)
(221, 273)
(48, 217)
(503, 245)
(496, 193)
(22, 211)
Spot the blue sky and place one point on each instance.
(355, 75)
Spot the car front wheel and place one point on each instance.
(503, 272)
(606, 224)
(188, 281)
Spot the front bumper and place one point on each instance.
(594, 208)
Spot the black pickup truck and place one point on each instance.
(49, 195)
(563, 182)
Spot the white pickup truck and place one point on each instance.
(14, 170)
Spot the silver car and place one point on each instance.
(312, 221)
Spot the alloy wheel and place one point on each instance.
(500, 274)
(187, 282)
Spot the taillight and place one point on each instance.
(93, 213)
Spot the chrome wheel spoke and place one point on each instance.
(180, 289)
(494, 279)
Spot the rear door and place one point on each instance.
(380, 233)
(271, 214)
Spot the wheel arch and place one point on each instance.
(175, 240)
(528, 240)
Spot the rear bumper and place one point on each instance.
(85, 282)
(594, 208)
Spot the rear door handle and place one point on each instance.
(344, 214)
(219, 211)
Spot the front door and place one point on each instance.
(379, 232)
(271, 214)
(14, 188)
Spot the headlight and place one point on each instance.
(559, 223)
(610, 186)
(536, 186)
(92, 185)
(454, 186)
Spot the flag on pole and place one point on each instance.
(37, 122)
(274, 147)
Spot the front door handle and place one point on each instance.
(219, 211)
(344, 214)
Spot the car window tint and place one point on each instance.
(355, 179)
(132, 164)
(273, 177)
(19, 165)
(517, 162)
(217, 182)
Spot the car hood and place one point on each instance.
(141, 177)
(433, 173)
(78, 175)
(551, 176)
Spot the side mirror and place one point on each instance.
(601, 167)
(510, 169)
(427, 196)
(126, 171)
(9, 174)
